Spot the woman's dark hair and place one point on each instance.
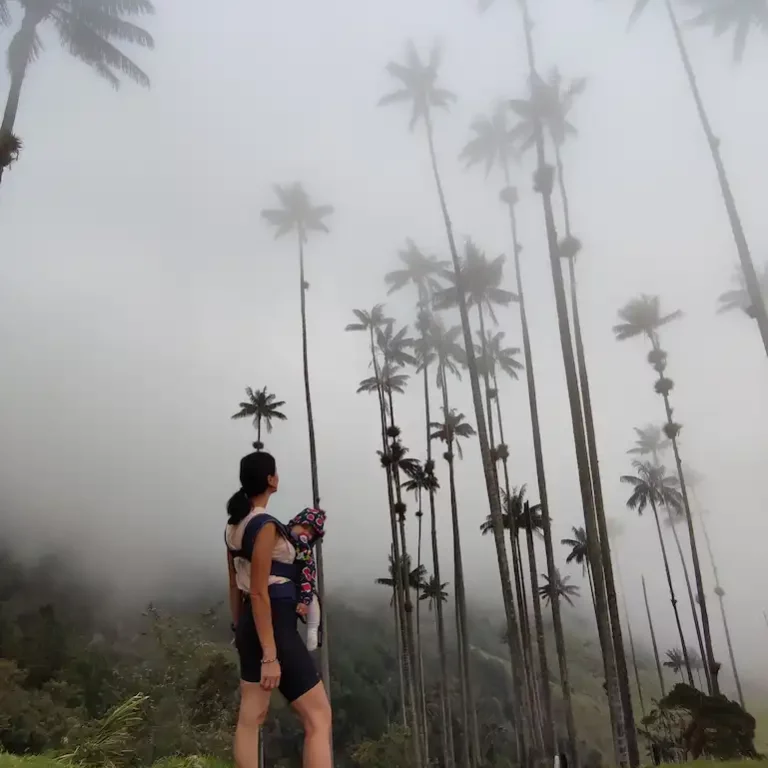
(255, 471)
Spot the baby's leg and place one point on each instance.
(313, 623)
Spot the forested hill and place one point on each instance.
(68, 655)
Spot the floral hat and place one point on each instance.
(312, 518)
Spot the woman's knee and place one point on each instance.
(314, 711)
(254, 705)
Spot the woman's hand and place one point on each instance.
(270, 674)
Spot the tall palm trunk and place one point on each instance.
(400, 576)
(415, 673)
(324, 657)
(17, 64)
(672, 597)
(527, 647)
(691, 599)
(513, 640)
(544, 691)
(543, 183)
(720, 592)
(462, 639)
(557, 622)
(597, 487)
(653, 639)
(401, 671)
(446, 732)
(522, 600)
(745, 258)
(631, 641)
(709, 658)
(419, 653)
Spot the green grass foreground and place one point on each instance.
(38, 761)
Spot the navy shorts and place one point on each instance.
(298, 673)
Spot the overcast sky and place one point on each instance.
(140, 291)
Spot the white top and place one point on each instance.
(283, 552)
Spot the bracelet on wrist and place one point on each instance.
(269, 661)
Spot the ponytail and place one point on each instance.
(238, 507)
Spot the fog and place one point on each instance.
(141, 292)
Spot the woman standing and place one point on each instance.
(263, 598)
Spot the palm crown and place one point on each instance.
(493, 142)
(740, 16)
(675, 660)
(480, 279)
(388, 380)
(579, 553)
(511, 510)
(261, 406)
(493, 355)
(558, 587)
(368, 319)
(396, 346)
(453, 427)
(433, 591)
(642, 316)
(738, 298)
(652, 485)
(548, 105)
(416, 576)
(418, 84)
(88, 31)
(420, 269)
(296, 212)
(650, 442)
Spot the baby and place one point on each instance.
(307, 528)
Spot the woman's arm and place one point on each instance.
(235, 596)
(261, 566)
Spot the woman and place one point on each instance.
(263, 597)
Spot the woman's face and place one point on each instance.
(273, 481)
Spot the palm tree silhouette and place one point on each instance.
(579, 554)
(298, 215)
(493, 143)
(723, 14)
(650, 442)
(417, 81)
(651, 486)
(434, 592)
(737, 15)
(738, 298)
(643, 317)
(558, 588)
(260, 406)
(423, 271)
(676, 662)
(609, 626)
(88, 31)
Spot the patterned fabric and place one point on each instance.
(314, 519)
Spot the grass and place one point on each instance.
(37, 761)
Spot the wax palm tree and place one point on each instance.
(651, 486)
(697, 664)
(694, 479)
(88, 31)
(558, 588)
(421, 479)
(420, 269)
(650, 442)
(261, 406)
(740, 16)
(434, 592)
(738, 298)
(298, 215)
(389, 381)
(653, 638)
(493, 143)
(417, 85)
(676, 661)
(450, 431)
(579, 554)
(416, 576)
(531, 520)
(736, 17)
(613, 652)
(643, 317)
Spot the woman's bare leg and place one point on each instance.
(314, 711)
(254, 704)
